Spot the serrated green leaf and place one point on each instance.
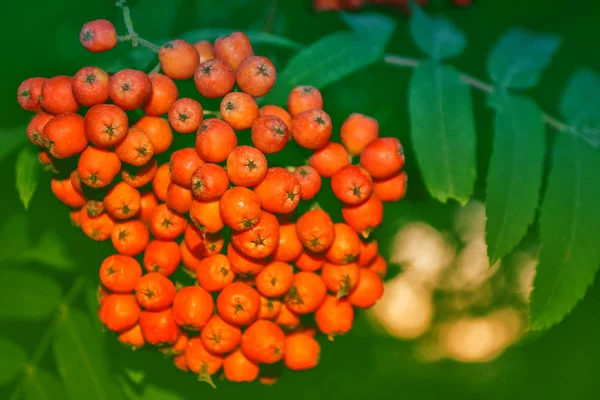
(580, 105)
(52, 252)
(515, 173)
(14, 359)
(28, 174)
(38, 295)
(328, 60)
(42, 385)
(520, 56)
(256, 37)
(437, 36)
(370, 23)
(11, 138)
(569, 231)
(443, 131)
(81, 359)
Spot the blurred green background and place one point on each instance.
(40, 38)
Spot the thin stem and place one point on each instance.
(48, 335)
(133, 36)
(155, 48)
(271, 17)
(481, 85)
(154, 70)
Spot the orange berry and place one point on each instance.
(185, 115)
(159, 327)
(256, 76)
(162, 256)
(47, 161)
(289, 247)
(192, 307)
(179, 198)
(242, 264)
(65, 192)
(304, 98)
(97, 228)
(379, 266)
(238, 304)
(140, 176)
(206, 216)
(392, 188)
(163, 95)
(351, 184)
(279, 191)
(275, 279)
(183, 164)
(180, 362)
(368, 290)
(263, 342)
(148, 203)
(301, 352)
(214, 273)
(357, 131)
(368, 252)
(106, 125)
(65, 135)
(161, 181)
(122, 201)
(215, 140)
(239, 110)
(238, 368)
(307, 293)
(310, 181)
(57, 95)
(120, 273)
(189, 259)
(94, 208)
(178, 59)
(246, 166)
(220, 337)
(205, 50)
(176, 348)
(382, 157)
(159, 132)
(214, 78)
(315, 230)
(269, 308)
(270, 134)
(166, 224)
(329, 159)
(259, 241)
(154, 291)
(311, 129)
(345, 247)
(29, 94)
(240, 208)
(334, 317)
(97, 167)
(90, 86)
(194, 239)
(365, 217)
(209, 182)
(129, 88)
(119, 312)
(132, 337)
(286, 319)
(130, 237)
(136, 149)
(310, 262)
(233, 49)
(98, 36)
(340, 279)
(35, 129)
(200, 361)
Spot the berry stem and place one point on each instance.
(154, 70)
(133, 36)
(408, 62)
(48, 335)
(271, 17)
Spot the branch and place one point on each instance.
(133, 36)
(484, 87)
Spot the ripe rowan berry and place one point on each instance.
(94, 208)
(357, 131)
(166, 224)
(345, 247)
(316, 230)
(289, 247)
(105, 125)
(239, 110)
(65, 135)
(129, 88)
(178, 59)
(340, 279)
(180, 362)
(368, 290)
(310, 181)
(238, 368)
(307, 293)
(206, 215)
(310, 262)
(182, 165)
(242, 264)
(209, 182)
(122, 201)
(130, 237)
(256, 76)
(29, 94)
(35, 129)
(120, 273)
(270, 134)
(220, 337)
(260, 240)
(132, 337)
(233, 49)
(190, 260)
(140, 176)
(159, 132)
(246, 166)
(162, 256)
(215, 140)
(176, 348)
(161, 98)
(192, 307)
(301, 352)
(304, 98)
(214, 78)
(90, 86)
(136, 148)
(279, 191)
(179, 198)
(200, 361)
(154, 292)
(311, 129)
(119, 312)
(97, 167)
(97, 228)
(329, 159)
(98, 36)
(161, 181)
(334, 317)
(382, 157)
(275, 279)
(286, 319)
(364, 217)
(185, 115)
(47, 161)
(159, 327)
(351, 184)
(148, 203)
(240, 208)
(277, 111)
(368, 252)
(238, 304)
(57, 95)
(263, 342)
(214, 273)
(392, 188)
(269, 308)
(64, 191)
(205, 50)
(379, 266)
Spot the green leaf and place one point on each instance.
(328, 60)
(515, 174)
(81, 359)
(256, 37)
(370, 23)
(28, 174)
(519, 57)
(38, 296)
(580, 105)
(443, 131)
(150, 392)
(42, 385)
(569, 231)
(14, 238)
(51, 252)
(437, 37)
(11, 138)
(13, 362)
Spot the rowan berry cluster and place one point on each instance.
(328, 5)
(267, 279)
